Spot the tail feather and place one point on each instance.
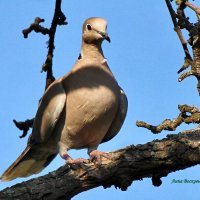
(29, 162)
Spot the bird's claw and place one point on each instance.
(74, 163)
(96, 156)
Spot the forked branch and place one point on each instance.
(188, 114)
(58, 19)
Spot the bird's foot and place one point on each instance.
(74, 163)
(77, 161)
(96, 156)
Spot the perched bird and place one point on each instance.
(82, 109)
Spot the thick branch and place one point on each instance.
(154, 160)
(171, 125)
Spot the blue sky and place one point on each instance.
(144, 55)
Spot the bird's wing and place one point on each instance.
(119, 118)
(48, 113)
(36, 157)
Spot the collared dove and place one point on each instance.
(82, 109)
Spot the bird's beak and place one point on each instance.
(104, 35)
(107, 37)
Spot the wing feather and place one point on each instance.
(119, 118)
(49, 111)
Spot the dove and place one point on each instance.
(82, 109)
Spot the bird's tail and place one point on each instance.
(31, 161)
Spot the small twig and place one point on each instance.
(193, 7)
(35, 26)
(187, 63)
(185, 75)
(178, 31)
(171, 125)
(194, 33)
(24, 126)
(183, 22)
(58, 19)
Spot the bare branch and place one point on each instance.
(178, 30)
(24, 126)
(58, 19)
(35, 26)
(187, 63)
(193, 29)
(184, 75)
(154, 160)
(171, 125)
(193, 7)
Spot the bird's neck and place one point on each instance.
(92, 51)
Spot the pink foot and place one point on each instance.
(72, 161)
(77, 161)
(96, 156)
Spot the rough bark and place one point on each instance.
(154, 160)
(188, 114)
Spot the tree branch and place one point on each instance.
(35, 26)
(194, 33)
(24, 126)
(194, 41)
(178, 30)
(58, 19)
(171, 125)
(154, 160)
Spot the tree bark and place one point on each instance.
(154, 160)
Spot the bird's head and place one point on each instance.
(95, 30)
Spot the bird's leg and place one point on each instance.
(63, 153)
(96, 155)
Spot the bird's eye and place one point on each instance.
(89, 28)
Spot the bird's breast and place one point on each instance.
(88, 105)
(91, 105)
